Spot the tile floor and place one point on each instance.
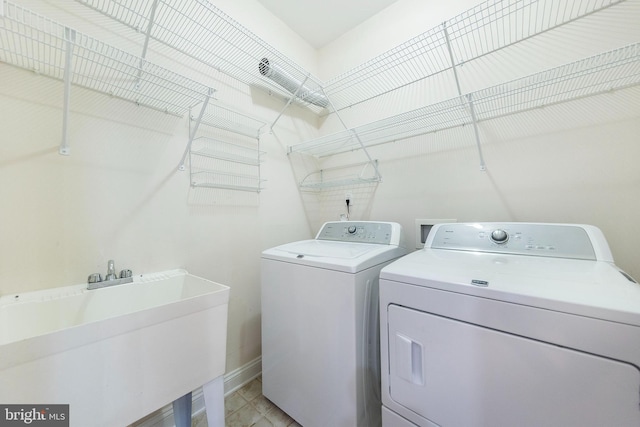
(247, 407)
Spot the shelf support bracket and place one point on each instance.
(475, 129)
(143, 56)
(469, 96)
(152, 17)
(289, 102)
(374, 163)
(194, 130)
(70, 39)
(453, 62)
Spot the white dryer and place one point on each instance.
(510, 324)
(320, 325)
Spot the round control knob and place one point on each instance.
(499, 236)
(352, 229)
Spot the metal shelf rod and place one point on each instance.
(289, 101)
(70, 39)
(476, 131)
(373, 163)
(194, 130)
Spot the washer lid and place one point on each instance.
(333, 255)
(319, 248)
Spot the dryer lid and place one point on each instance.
(589, 288)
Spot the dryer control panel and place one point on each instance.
(382, 233)
(552, 240)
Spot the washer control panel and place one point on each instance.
(552, 240)
(360, 231)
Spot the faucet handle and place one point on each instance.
(94, 278)
(125, 274)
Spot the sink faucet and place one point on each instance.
(95, 280)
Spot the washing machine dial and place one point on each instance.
(499, 236)
(352, 229)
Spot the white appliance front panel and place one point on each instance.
(316, 336)
(391, 419)
(453, 373)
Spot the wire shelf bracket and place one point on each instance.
(476, 132)
(469, 97)
(70, 39)
(289, 101)
(194, 130)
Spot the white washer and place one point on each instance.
(510, 324)
(320, 325)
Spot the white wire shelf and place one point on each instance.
(609, 71)
(486, 28)
(34, 42)
(342, 176)
(222, 117)
(212, 148)
(201, 31)
(227, 181)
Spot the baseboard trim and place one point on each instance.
(232, 381)
(241, 376)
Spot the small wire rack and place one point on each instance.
(217, 163)
(342, 176)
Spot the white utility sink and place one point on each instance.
(113, 354)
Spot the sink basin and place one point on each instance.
(113, 354)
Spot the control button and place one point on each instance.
(352, 229)
(499, 236)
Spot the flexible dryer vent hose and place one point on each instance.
(291, 84)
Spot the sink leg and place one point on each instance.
(213, 392)
(182, 411)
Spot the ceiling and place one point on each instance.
(322, 21)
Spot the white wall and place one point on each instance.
(398, 23)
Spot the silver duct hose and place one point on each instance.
(291, 84)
